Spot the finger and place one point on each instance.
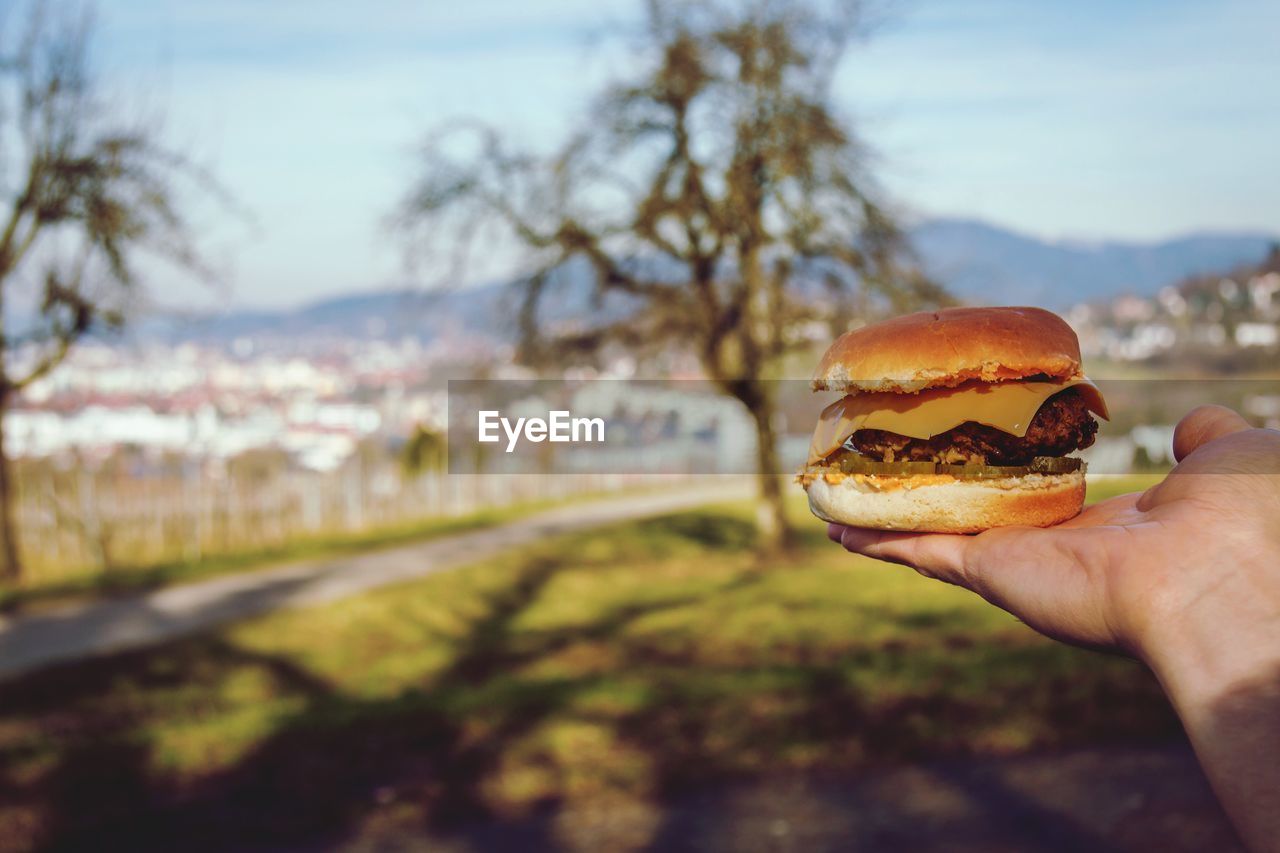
(1202, 425)
(936, 555)
(1042, 576)
(994, 564)
(835, 531)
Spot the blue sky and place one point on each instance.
(1082, 120)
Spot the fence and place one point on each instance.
(78, 521)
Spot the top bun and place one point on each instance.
(942, 349)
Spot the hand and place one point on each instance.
(1184, 576)
(1121, 573)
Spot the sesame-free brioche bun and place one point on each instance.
(958, 506)
(942, 349)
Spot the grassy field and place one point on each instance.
(41, 590)
(602, 671)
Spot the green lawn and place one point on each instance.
(607, 669)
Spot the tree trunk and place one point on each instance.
(771, 517)
(10, 562)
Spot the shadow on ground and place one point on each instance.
(642, 722)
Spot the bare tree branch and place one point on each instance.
(751, 212)
(88, 193)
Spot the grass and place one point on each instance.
(1104, 486)
(597, 673)
(39, 592)
(95, 583)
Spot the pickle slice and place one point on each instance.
(853, 463)
(1056, 464)
(973, 471)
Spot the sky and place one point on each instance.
(1084, 120)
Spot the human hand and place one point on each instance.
(1123, 571)
(1185, 576)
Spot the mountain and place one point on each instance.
(374, 314)
(978, 262)
(987, 264)
(488, 309)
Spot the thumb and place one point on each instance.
(1202, 425)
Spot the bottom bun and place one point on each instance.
(953, 506)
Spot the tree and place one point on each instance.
(82, 192)
(425, 451)
(718, 194)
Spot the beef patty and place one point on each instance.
(1062, 425)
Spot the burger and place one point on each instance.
(953, 421)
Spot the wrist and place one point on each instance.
(1198, 667)
(1223, 679)
(1225, 636)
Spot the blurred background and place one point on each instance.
(252, 601)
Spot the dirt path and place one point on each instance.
(97, 628)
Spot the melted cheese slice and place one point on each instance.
(1007, 406)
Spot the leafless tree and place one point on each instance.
(82, 192)
(719, 196)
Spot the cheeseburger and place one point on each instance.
(953, 421)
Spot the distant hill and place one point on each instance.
(488, 310)
(978, 262)
(375, 314)
(985, 263)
